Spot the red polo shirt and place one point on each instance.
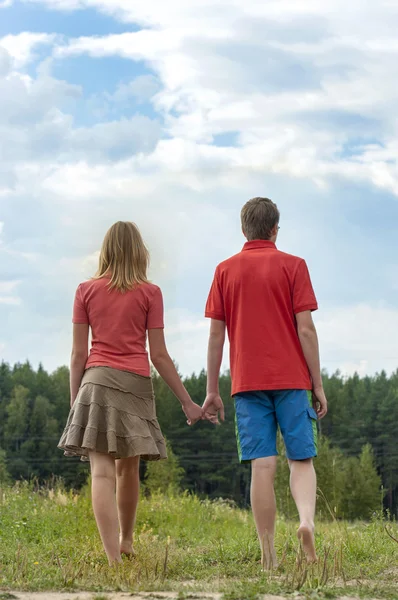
(257, 293)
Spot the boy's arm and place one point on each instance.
(309, 343)
(213, 404)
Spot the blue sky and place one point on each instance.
(173, 116)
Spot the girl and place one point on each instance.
(112, 421)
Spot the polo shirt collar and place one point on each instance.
(254, 244)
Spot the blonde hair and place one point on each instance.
(259, 217)
(123, 257)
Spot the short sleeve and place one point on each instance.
(79, 309)
(155, 316)
(303, 293)
(215, 301)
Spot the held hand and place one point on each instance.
(212, 408)
(193, 412)
(319, 401)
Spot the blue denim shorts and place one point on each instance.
(258, 415)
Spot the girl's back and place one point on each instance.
(119, 322)
(113, 411)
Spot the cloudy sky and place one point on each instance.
(173, 114)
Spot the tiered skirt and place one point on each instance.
(114, 413)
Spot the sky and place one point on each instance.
(173, 115)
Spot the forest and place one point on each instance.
(357, 465)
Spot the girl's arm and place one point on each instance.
(165, 367)
(78, 358)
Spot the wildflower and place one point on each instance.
(61, 498)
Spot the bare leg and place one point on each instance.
(104, 503)
(303, 486)
(128, 490)
(264, 507)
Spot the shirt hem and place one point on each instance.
(267, 386)
(118, 368)
(217, 316)
(305, 307)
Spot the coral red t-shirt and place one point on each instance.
(119, 323)
(257, 293)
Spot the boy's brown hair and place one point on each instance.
(259, 216)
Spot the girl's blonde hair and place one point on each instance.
(123, 257)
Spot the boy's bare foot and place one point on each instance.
(305, 534)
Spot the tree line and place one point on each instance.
(357, 466)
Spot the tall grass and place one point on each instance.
(48, 540)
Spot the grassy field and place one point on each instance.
(48, 541)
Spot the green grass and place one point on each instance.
(49, 541)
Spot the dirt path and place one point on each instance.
(115, 596)
(124, 596)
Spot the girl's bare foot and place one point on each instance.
(305, 534)
(126, 549)
(269, 563)
(268, 556)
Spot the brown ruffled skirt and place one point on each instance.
(114, 413)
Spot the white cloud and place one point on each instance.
(284, 78)
(214, 81)
(5, 62)
(6, 296)
(8, 286)
(32, 98)
(115, 140)
(21, 46)
(10, 300)
(9, 255)
(35, 130)
(142, 88)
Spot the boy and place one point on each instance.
(264, 298)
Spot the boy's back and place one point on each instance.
(257, 293)
(264, 299)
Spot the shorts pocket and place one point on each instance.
(313, 418)
(312, 413)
